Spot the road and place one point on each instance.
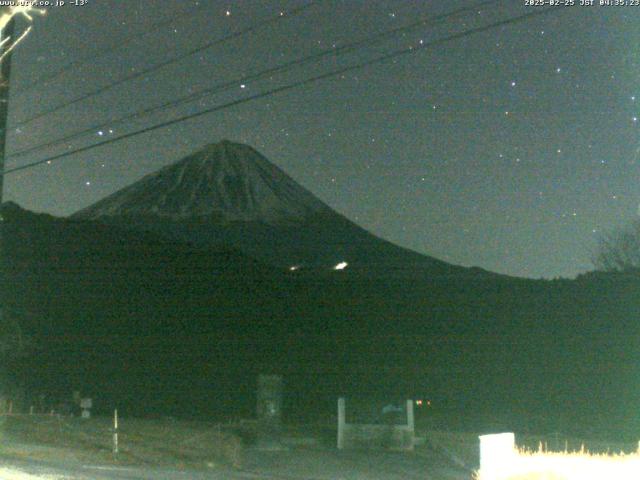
(294, 464)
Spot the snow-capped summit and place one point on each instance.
(228, 181)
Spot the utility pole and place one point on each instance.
(5, 72)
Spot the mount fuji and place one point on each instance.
(229, 194)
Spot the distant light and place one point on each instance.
(418, 402)
(227, 13)
(341, 266)
(100, 132)
(293, 268)
(243, 86)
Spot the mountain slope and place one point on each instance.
(227, 182)
(157, 326)
(229, 194)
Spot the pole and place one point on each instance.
(115, 431)
(5, 70)
(5, 73)
(341, 422)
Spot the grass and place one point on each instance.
(177, 444)
(464, 450)
(581, 465)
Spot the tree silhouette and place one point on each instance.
(619, 250)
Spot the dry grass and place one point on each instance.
(526, 464)
(141, 442)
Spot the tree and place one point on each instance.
(619, 250)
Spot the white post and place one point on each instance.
(497, 456)
(341, 422)
(115, 431)
(411, 424)
(410, 418)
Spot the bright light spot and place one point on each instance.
(11, 474)
(5, 18)
(87, 184)
(500, 458)
(243, 86)
(100, 133)
(228, 13)
(341, 266)
(558, 70)
(293, 268)
(513, 84)
(418, 402)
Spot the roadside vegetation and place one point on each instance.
(157, 442)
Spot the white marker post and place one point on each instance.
(497, 456)
(115, 431)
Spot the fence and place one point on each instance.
(501, 460)
(366, 435)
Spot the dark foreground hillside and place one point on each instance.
(170, 329)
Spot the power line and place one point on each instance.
(165, 63)
(221, 87)
(294, 85)
(108, 50)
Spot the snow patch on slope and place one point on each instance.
(229, 181)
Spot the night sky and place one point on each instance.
(512, 149)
